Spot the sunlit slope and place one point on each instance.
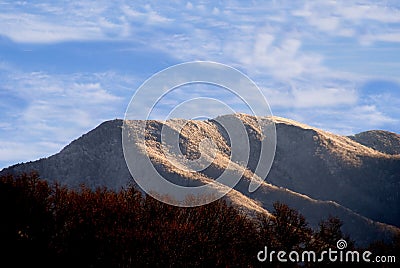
(316, 172)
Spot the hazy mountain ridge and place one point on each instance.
(383, 141)
(341, 170)
(314, 171)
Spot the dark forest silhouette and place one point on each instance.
(53, 226)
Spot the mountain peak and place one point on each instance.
(317, 172)
(380, 140)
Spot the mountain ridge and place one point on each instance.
(317, 172)
(384, 141)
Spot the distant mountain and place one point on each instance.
(382, 141)
(316, 172)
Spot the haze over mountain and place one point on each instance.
(318, 173)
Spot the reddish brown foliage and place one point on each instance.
(59, 227)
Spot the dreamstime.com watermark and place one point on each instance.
(331, 255)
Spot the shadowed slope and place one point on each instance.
(314, 171)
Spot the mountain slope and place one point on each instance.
(331, 167)
(382, 141)
(316, 172)
(96, 159)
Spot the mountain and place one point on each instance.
(382, 141)
(316, 172)
(95, 159)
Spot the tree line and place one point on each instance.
(53, 226)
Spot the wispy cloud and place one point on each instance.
(52, 111)
(311, 59)
(24, 27)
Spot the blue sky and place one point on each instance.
(66, 66)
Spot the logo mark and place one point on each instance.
(341, 244)
(171, 187)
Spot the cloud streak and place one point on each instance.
(53, 110)
(311, 59)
